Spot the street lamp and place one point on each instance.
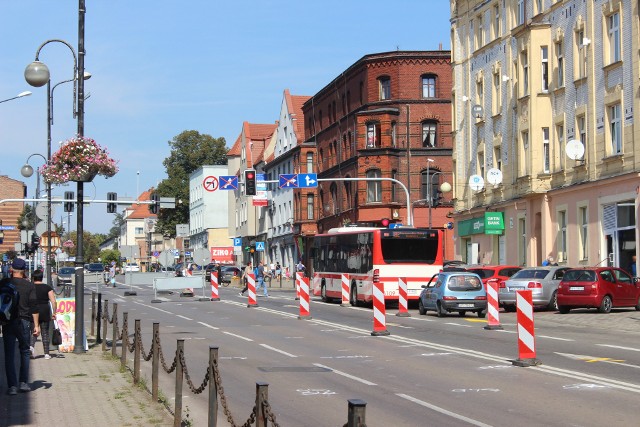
(27, 172)
(445, 187)
(20, 95)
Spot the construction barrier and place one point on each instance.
(174, 283)
(379, 311)
(299, 276)
(403, 301)
(251, 290)
(345, 290)
(526, 331)
(493, 308)
(304, 299)
(215, 295)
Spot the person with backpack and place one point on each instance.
(20, 327)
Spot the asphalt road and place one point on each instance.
(428, 371)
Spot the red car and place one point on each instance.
(494, 272)
(602, 287)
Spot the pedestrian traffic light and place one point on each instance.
(111, 206)
(437, 198)
(249, 182)
(68, 204)
(154, 208)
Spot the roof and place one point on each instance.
(141, 211)
(256, 136)
(294, 105)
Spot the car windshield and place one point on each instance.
(67, 270)
(463, 283)
(485, 273)
(530, 274)
(579, 276)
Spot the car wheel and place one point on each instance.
(553, 302)
(563, 309)
(323, 293)
(605, 305)
(482, 314)
(462, 313)
(440, 310)
(353, 296)
(421, 308)
(510, 308)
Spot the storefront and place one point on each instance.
(482, 239)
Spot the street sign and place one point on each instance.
(166, 258)
(187, 253)
(156, 254)
(228, 182)
(395, 225)
(307, 180)
(7, 227)
(210, 183)
(237, 241)
(288, 181)
(259, 246)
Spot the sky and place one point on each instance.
(161, 67)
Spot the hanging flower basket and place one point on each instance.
(79, 159)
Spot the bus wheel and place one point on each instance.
(323, 292)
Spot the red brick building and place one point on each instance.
(386, 116)
(9, 212)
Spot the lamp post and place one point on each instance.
(20, 95)
(27, 172)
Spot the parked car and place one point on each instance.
(131, 267)
(229, 272)
(456, 291)
(94, 267)
(603, 288)
(494, 272)
(65, 276)
(542, 281)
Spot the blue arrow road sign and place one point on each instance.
(228, 182)
(259, 246)
(237, 241)
(307, 180)
(288, 181)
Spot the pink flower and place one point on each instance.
(76, 160)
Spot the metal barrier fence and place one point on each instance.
(261, 413)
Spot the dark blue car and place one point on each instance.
(456, 291)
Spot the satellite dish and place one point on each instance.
(494, 176)
(575, 149)
(476, 182)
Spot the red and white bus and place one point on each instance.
(369, 255)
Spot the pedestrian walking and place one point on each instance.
(278, 270)
(20, 328)
(633, 268)
(47, 307)
(300, 267)
(245, 279)
(260, 274)
(112, 275)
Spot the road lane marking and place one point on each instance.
(208, 326)
(458, 324)
(238, 336)
(183, 317)
(344, 374)
(278, 350)
(443, 411)
(154, 307)
(618, 347)
(554, 338)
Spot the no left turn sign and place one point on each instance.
(210, 183)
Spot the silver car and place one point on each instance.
(542, 281)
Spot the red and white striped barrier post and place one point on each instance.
(298, 279)
(215, 296)
(526, 331)
(187, 273)
(403, 300)
(345, 291)
(493, 308)
(304, 299)
(251, 289)
(379, 313)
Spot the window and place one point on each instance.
(394, 134)
(472, 37)
(481, 164)
(139, 230)
(429, 134)
(581, 66)
(522, 231)
(523, 158)
(546, 155)
(480, 31)
(615, 127)
(310, 206)
(374, 188)
(429, 86)
(373, 132)
(496, 21)
(309, 162)
(562, 236)
(385, 88)
(582, 131)
(524, 59)
(538, 6)
(520, 12)
(614, 37)
(480, 91)
(496, 98)
(560, 147)
(334, 198)
(583, 224)
(497, 158)
(560, 64)
(347, 193)
(544, 63)
(429, 185)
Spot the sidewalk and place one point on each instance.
(85, 389)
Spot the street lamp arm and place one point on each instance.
(20, 95)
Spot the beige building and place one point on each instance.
(546, 151)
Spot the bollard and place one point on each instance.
(403, 302)
(379, 311)
(262, 394)
(98, 317)
(215, 295)
(177, 412)
(493, 308)
(114, 337)
(105, 322)
(155, 362)
(526, 331)
(123, 342)
(93, 312)
(136, 352)
(251, 288)
(356, 416)
(213, 387)
(345, 291)
(304, 299)
(298, 278)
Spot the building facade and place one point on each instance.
(545, 142)
(10, 211)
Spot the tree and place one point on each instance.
(108, 255)
(189, 151)
(91, 246)
(118, 222)
(26, 220)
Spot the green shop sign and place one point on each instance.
(490, 223)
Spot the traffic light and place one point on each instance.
(68, 205)
(155, 206)
(385, 222)
(35, 242)
(249, 182)
(112, 207)
(437, 198)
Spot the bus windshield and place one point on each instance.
(409, 247)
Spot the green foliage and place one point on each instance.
(26, 220)
(108, 255)
(189, 151)
(91, 245)
(118, 221)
